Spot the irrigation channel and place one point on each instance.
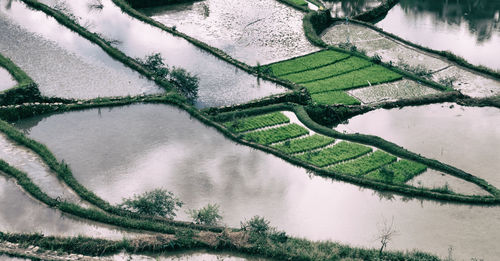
(62, 63)
(118, 152)
(220, 83)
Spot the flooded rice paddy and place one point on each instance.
(266, 31)
(470, 29)
(119, 152)
(404, 89)
(220, 83)
(6, 80)
(62, 63)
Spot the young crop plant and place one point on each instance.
(398, 172)
(365, 164)
(351, 64)
(374, 74)
(304, 144)
(334, 97)
(306, 62)
(257, 122)
(339, 152)
(278, 134)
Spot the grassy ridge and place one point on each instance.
(371, 75)
(273, 135)
(26, 89)
(339, 152)
(306, 62)
(403, 171)
(334, 97)
(304, 144)
(257, 122)
(365, 164)
(351, 64)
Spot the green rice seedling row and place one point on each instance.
(304, 144)
(365, 164)
(299, 2)
(339, 152)
(344, 66)
(278, 134)
(371, 75)
(398, 172)
(334, 97)
(306, 62)
(257, 122)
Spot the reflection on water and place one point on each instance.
(194, 255)
(22, 214)
(128, 150)
(62, 63)
(220, 83)
(469, 28)
(6, 80)
(350, 7)
(465, 137)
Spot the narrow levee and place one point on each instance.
(62, 63)
(124, 151)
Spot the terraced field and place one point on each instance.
(327, 74)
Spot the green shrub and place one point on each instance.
(159, 202)
(256, 224)
(208, 215)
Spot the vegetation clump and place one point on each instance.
(183, 81)
(208, 215)
(159, 202)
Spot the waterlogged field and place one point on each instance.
(6, 80)
(327, 74)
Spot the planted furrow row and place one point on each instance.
(306, 62)
(398, 172)
(304, 144)
(365, 164)
(257, 122)
(274, 135)
(339, 152)
(334, 97)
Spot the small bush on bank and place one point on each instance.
(208, 215)
(159, 202)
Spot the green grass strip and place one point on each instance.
(335, 97)
(273, 135)
(306, 62)
(365, 164)
(299, 2)
(304, 144)
(371, 75)
(257, 122)
(344, 66)
(398, 172)
(342, 151)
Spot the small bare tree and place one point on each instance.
(386, 234)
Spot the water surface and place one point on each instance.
(468, 28)
(465, 137)
(124, 151)
(6, 80)
(220, 83)
(194, 255)
(349, 8)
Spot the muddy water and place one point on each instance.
(220, 83)
(61, 62)
(22, 214)
(470, 29)
(6, 80)
(124, 151)
(267, 31)
(189, 255)
(403, 89)
(464, 137)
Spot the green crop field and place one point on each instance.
(371, 75)
(257, 122)
(299, 2)
(304, 144)
(398, 172)
(342, 151)
(334, 97)
(306, 62)
(344, 66)
(365, 164)
(273, 135)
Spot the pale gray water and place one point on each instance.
(62, 63)
(128, 150)
(6, 80)
(465, 137)
(22, 214)
(468, 28)
(266, 31)
(194, 255)
(220, 83)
